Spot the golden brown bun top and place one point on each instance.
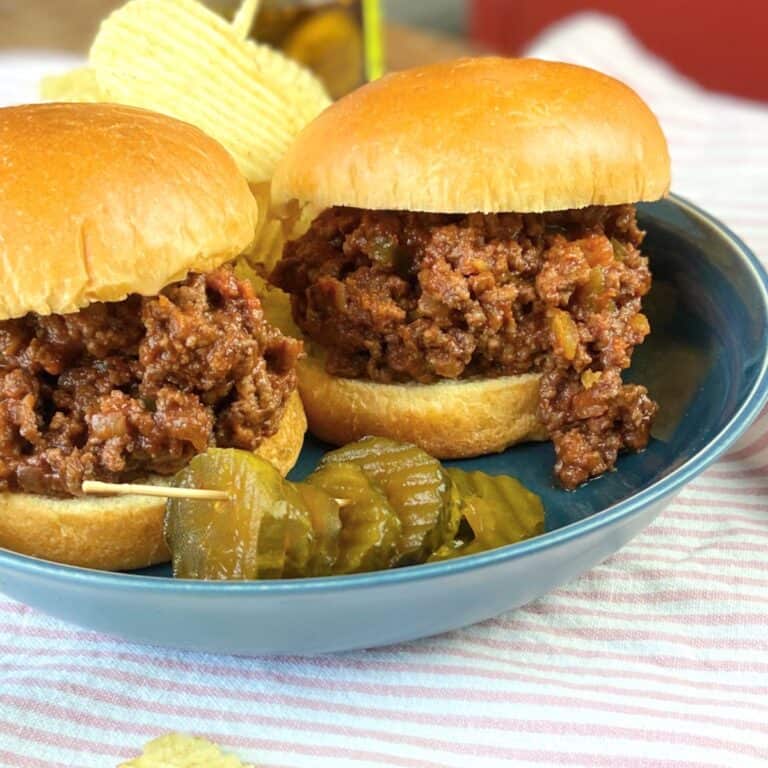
(484, 134)
(98, 201)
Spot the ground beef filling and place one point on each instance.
(399, 296)
(124, 389)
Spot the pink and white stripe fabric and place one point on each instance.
(656, 659)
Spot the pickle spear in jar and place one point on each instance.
(417, 487)
(261, 532)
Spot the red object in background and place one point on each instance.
(722, 45)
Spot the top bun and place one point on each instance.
(485, 134)
(98, 201)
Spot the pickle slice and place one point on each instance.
(257, 534)
(299, 533)
(454, 548)
(368, 506)
(417, 487)
(498, 509)
(326, 524)
(369, 526)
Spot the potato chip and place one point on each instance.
(176, 750)
(275, 227)
(303, 220)
(307, 91)
(260, 259)
(243, 21)
(182, 59)
(275, 303)
(267, 249)
(78, 85)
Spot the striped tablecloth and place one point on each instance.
(658, 657)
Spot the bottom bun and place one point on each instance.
(116, 533)
(283, 448)
(449, 419)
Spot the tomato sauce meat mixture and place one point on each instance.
(124, 389)
(396, 296)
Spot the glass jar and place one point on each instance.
(340, 40)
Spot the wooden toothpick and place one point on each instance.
(160, 491)
(96, 488)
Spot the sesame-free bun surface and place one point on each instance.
(98, 201)
(449, 419)
(117, 533)
(284, 447)
(484, 134)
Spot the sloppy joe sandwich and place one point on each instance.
(474, 275)
(127, 343)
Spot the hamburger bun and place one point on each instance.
(484, 134)
(449, 419)
(82, 223)
(117, 533)
(474, 135)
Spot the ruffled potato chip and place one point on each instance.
(78, 85)
(176, 750)
(244, 18)
(308, 96)
(275, 303)
(182, 59)
(274, 229)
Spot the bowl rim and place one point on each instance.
(747, 410)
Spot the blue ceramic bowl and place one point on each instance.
(706, 363)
